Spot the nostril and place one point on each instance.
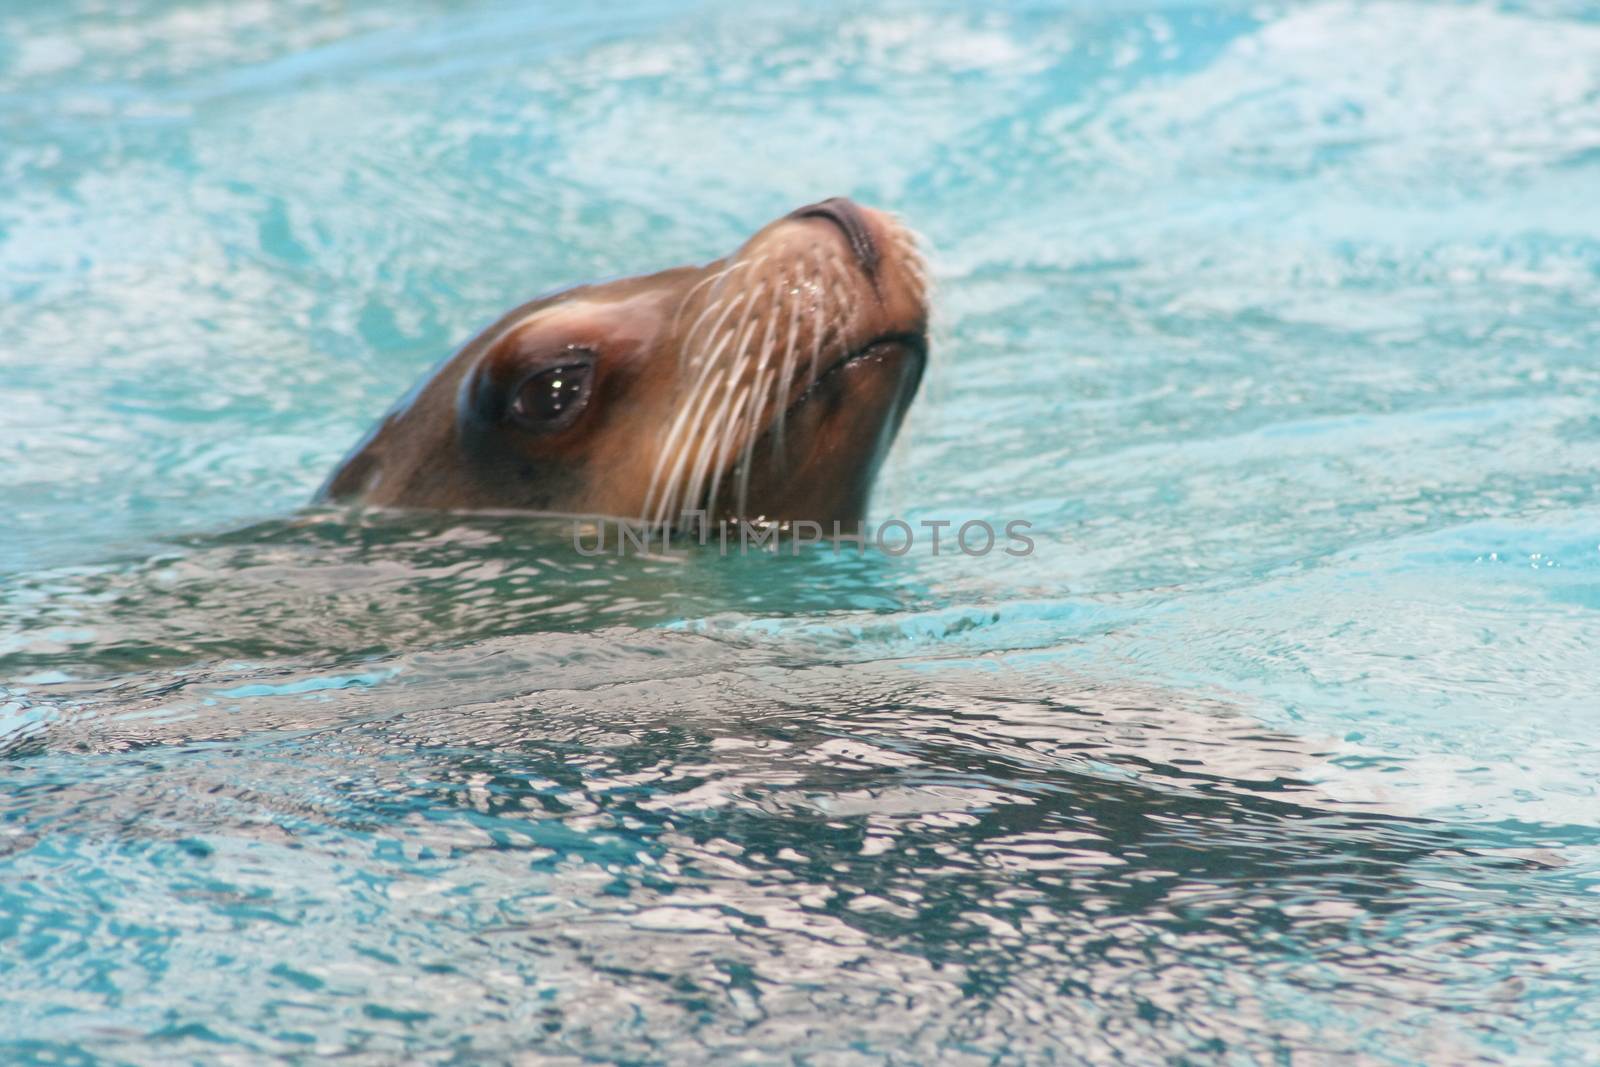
(846, 215)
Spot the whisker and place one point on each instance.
(708, 447)
(748, 422)
(677, 504)
(711, 443)
(709, 279)
(692, 339)
(758, 401)
(723, 454)
(669, 446)
(755, 336)
(663, 511)
(818, 314)
(786, 375)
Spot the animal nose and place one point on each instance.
(852, 221)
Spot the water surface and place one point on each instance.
(1279, 322)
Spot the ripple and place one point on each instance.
(1275, 322)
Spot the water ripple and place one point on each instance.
(1275, 322)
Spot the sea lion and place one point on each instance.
(767, 385)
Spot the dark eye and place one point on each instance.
(552, 398)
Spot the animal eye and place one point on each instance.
(552, 398)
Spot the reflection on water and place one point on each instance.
(1280, 745)
(329, 587)
(858, 858)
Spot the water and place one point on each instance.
(1278, 322)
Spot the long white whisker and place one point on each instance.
(711, 442)
(669, 506)
(710, 279)
(786, 376)
(670, 443)
(753, 410)
(691, 343)
(757, 402)
(818, 314)
(724, 451)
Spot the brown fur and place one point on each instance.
(767, 384)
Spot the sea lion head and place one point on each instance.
(766, 385)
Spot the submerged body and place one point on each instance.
(765, 385)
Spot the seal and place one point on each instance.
(764, 386)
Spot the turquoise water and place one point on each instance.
(1281, 324)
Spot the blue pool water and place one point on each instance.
(1280, 322)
